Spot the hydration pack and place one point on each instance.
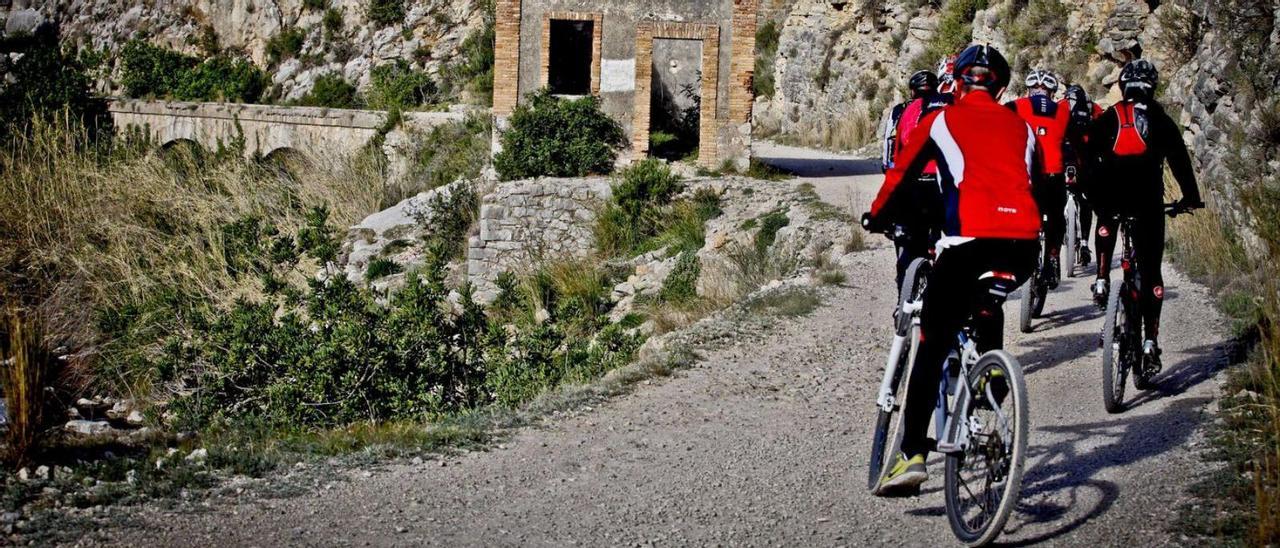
(1131, 137)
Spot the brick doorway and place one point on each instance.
(709, 36)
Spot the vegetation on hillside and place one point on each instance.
(551, 136)
(155, 72)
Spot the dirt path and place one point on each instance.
(765, 442)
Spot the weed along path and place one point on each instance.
(765, 441)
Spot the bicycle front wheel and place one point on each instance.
(1114, 366)
(1027, 307)
(1073, 238)
(888, 432)
(983, 482)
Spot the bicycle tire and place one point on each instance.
(1026, 306)
(888, 427)
(914, 282)
(1073, 238)
(1009, 468)
(1114, 370)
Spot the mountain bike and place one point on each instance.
(1036, 291)
(982, 420)
(1121, 337)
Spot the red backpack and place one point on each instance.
(1132, 126)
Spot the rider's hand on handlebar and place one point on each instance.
(874, 225)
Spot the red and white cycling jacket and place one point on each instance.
(986, 157)
(1050, 123)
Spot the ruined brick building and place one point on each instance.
(674, 73)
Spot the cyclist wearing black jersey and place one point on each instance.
(1128, 148)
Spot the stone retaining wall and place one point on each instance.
(524, 222)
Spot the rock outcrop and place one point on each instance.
(428, 37)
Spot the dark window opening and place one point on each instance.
(569, 70)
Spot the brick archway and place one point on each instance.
(709, 34)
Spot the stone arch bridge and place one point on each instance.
(268, 129)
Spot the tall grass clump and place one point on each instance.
(112, 237)
(29, 374)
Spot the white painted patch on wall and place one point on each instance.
(617, 75)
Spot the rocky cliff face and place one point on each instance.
(840, 63)
(428, 36)
(1225, 80)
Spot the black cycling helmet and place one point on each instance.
(995, 78)
(1138, 79)
(1076, 94)
(923, 82)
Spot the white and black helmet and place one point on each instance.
(1042, 79)
(1138, 79)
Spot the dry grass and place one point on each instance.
(848, 132)
(88, 228)
(28, 371)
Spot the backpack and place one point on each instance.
(1131, 137)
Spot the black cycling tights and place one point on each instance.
(954, 293)
(1086, 213)
(1148, 244)
(1051, 196)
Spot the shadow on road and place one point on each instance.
(1045, 353)
(1061, 477)
(823, 167)
(1058, 473)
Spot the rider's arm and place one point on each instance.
(909, 164)
(1175, 152)
(888, 125)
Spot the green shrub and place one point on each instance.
(644, 186)
(550, 136)
(681, 285)
(954, 31)
(396, 86)
(452, 151)
(767, 37)
(454, 215)
(385, 12)
(332, 23)
(315, 5)
(333, 91)
(770, 224)
(48, 81)
(381, 267)
(223, 79)
(151, 71)
(472, 70)
(286, 44)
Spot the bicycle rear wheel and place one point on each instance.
(1114, 340)
(983, 482)
(888, 432)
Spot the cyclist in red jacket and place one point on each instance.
(1050, 123)
(986, 157)
(1082, 112)
(915, 235)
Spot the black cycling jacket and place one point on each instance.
(1136, 183)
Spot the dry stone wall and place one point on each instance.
(523, 222)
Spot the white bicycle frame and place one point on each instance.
(953, 436)
(886, 399)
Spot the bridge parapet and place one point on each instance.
(266, 129)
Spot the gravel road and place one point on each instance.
(765, 442)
